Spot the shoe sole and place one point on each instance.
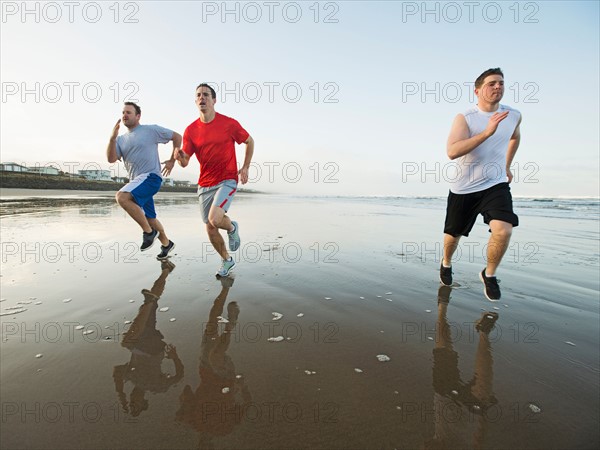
(226, 273)
(162, 258)
(444, 283)
(484, 291)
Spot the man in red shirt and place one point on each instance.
(212, 139)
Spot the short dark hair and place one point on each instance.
(212, 91)
(487, 73)
(138, 110)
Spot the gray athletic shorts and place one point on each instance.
(220, 195)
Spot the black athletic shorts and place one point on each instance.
(494, 203)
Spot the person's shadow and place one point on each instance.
(148, 349)
(460, 407)
(218, 404)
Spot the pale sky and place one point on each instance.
(342, 98)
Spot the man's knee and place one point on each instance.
(122, 197)
(211, 229)
(502, 230)
(216, 217)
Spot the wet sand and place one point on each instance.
(363, 275)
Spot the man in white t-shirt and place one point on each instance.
(138, 148)
(483, 141)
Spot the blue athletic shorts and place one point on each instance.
(143, 188)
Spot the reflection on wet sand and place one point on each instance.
(93, 203)
(459, 406)
(215, 407)
(148, 349)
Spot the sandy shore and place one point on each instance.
(353, 279)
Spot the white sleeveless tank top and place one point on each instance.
(485, 165)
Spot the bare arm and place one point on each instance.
(459, 142)
(171, 353)
(182, 157)
(111, 150)
(247, 160)
(177, 139)
(119, 379)
(513, 145)
(168, 164)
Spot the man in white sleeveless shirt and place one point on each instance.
(483, 141)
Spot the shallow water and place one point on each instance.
(352, 279)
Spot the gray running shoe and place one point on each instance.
(226, 266)
(234, 237)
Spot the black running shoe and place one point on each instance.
(487, 322)
(148, 239)
(165, 250)
(446, 275)
(491, 288)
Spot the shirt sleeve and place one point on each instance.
(187, 147)
(238, 133)
(163, 135)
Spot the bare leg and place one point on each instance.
(217, 220)
(497, 244)
(217, 240)
(482, 389)
(125, 200)
(450, 244)
(443, 338)
(162, 235)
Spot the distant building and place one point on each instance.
(44, 170)
(96, 174)
(120, 179)
(13, 167)
(176, 183)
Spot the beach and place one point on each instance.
(333, 331)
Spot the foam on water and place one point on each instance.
(534, 408)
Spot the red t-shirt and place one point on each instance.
(214, 146)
